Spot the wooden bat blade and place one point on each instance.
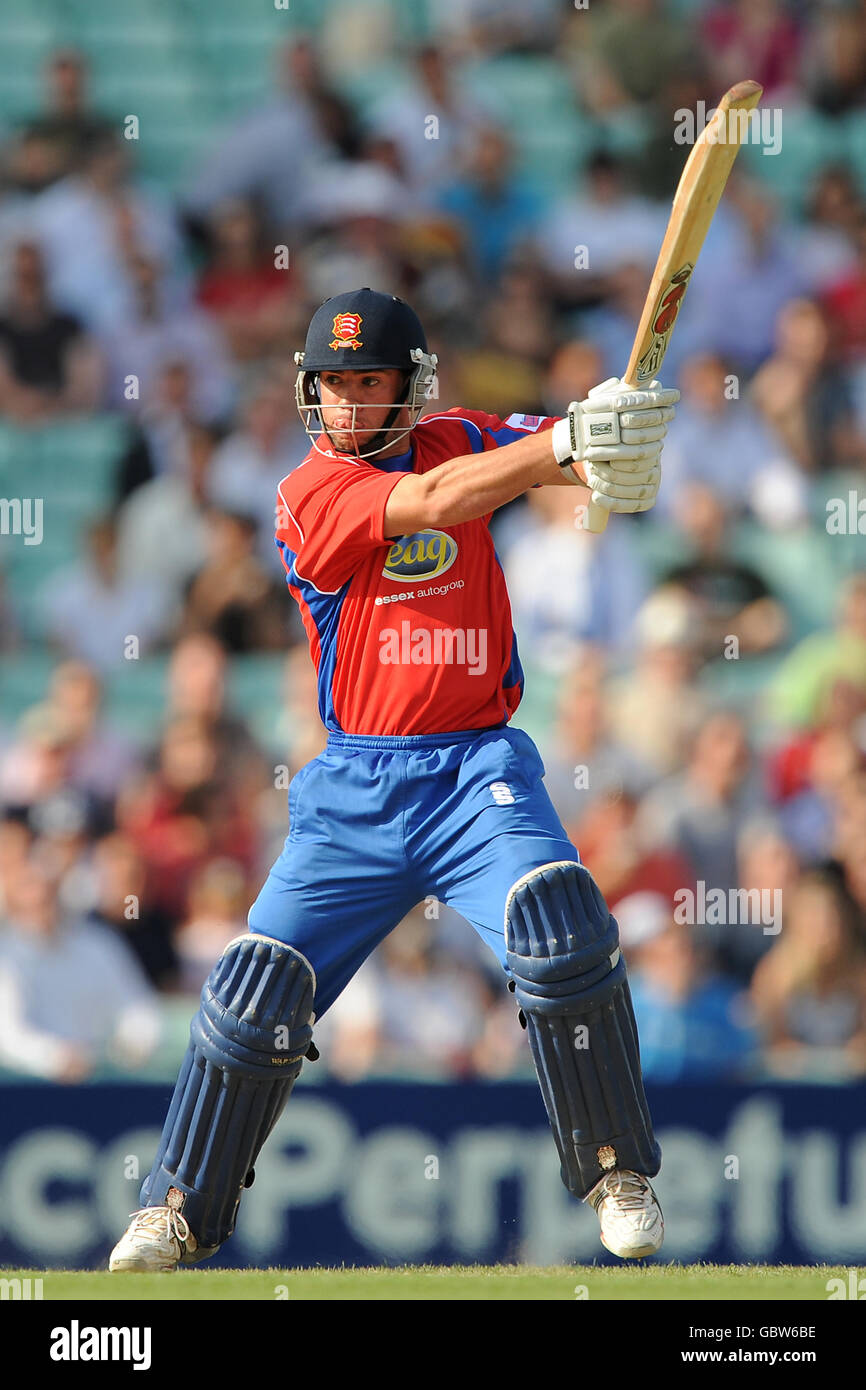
(698, 194)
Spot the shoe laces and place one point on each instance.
(630, 1189)
(163, 1221)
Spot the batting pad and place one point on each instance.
(247, 1044)
(570, 981)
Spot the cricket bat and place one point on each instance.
(699, 191)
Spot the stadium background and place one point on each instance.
(180, 185)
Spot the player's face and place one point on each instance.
(355, 406)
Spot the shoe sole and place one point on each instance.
(135, 1267)
(639, 1254)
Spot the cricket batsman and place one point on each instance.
(423, 789)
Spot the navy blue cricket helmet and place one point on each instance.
(365, 330)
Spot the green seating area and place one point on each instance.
(181, 66)
(135, 693)
(71, 468)
(185, 66)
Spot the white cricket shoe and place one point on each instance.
(157, 1240)
(631, 1219)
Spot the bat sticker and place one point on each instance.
(663, 322)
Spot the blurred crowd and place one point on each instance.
(698, 674)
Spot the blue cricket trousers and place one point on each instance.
(377, 824)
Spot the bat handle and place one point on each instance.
(597, 517)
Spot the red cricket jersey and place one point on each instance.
(408, 636)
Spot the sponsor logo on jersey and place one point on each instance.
(423, 555)
(346, 329)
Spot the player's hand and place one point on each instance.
(625, 485)
(617, 424)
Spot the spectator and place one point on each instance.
(425, 1013)
(582, 759)
(249, 465)
(588, 590)
(768, 865)
(699, 811)
(68, 126)
(158, 330)
(633, 47)
(163, 437)
(120, 901)
(71, 995)
(604, 222)
(804, 396)
(574, 368)
(848, 861)
(752, 270)
(714, 426)
(845, 301)
(162, 525)
(299, 735)
(9, 633)
(622, 858)
(232, 596)
(757, 36)
(504, 370)
(271, 153)
(197, 677)
(185, 812)
(655, 709)
(34, 767)
(828, 234)
(835, 68)
(693, 1022)
(429, 154)
(93, 612)
(357, 210)
(99, 757)
(729, 598)
(48, 365)
(809, 672)
(89, 225)
(809, 992)
(495, 208)
(216, 913)
(254, 301)
(812, 771)
(16, 840)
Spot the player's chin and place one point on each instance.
(345, 443)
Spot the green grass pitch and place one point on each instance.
(562, 1283)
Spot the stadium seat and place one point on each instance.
(135, 697)
(854, 143)
(809, 140)
(741, 685)
(535, 712)
(255, 690)
(659, 545)
(799, 566)
(24, 681)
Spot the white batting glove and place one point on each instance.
(616, 425)
(626, 485)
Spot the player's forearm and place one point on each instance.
(470, 486)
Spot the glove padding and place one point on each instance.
(616, 424)
(627, 485)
